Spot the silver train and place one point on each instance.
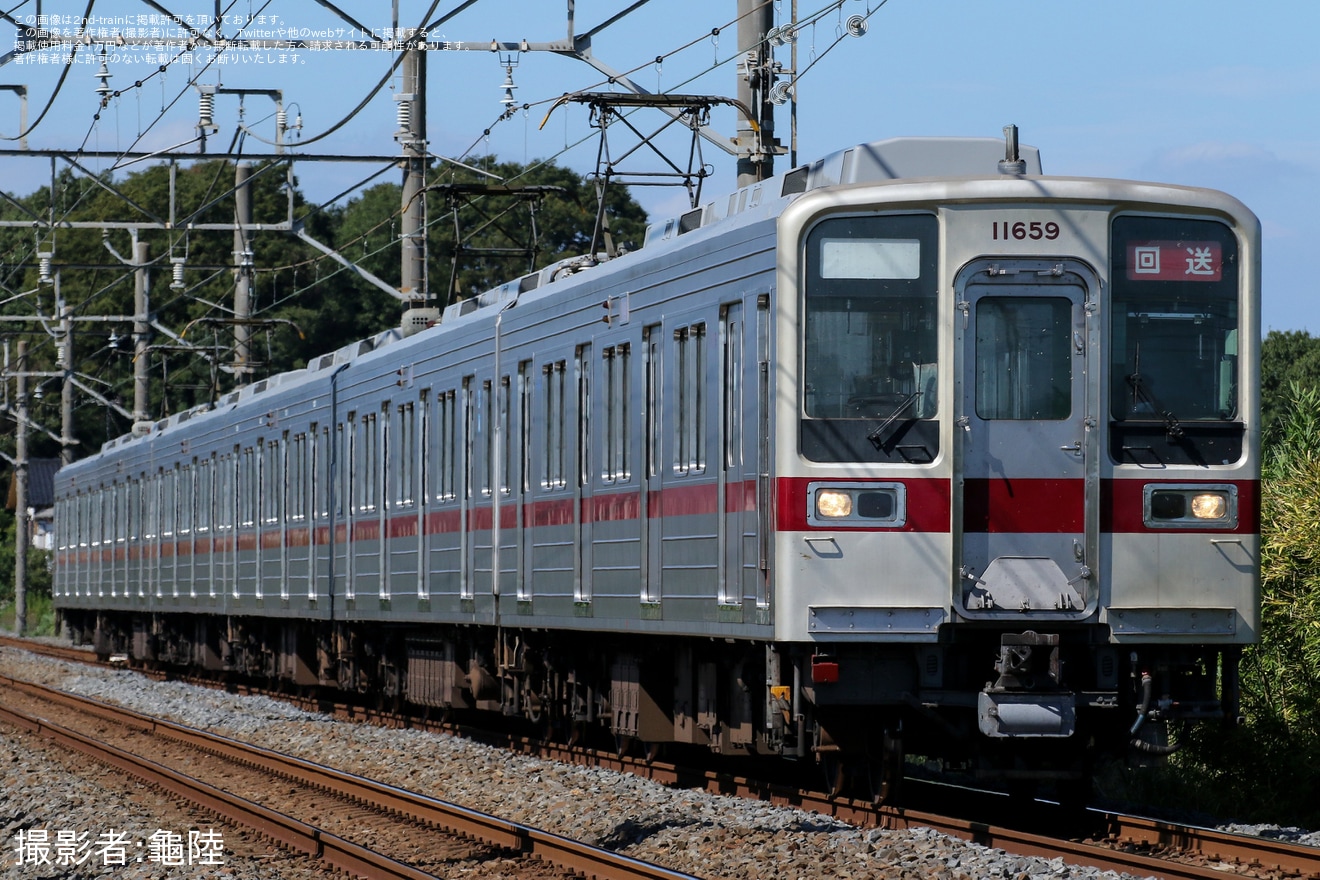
(910, 446)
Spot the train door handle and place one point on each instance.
(1075, 447)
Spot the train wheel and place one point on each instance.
(836, 775)
(886, 774)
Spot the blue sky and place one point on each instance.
(1208, 93)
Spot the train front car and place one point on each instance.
(1017, 461)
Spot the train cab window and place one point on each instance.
(1174, 376)
(869, 347)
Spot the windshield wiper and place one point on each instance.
(1172, 427)
(906, 402)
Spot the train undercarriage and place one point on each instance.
(1013, 709)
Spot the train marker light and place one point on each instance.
(824, 669)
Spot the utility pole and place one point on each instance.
(755, 149)
(141, 337)
(65, 363)
(242, 273)
(21, 495)
(412, 138)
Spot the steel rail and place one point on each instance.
(453, 818)
(1224, 848)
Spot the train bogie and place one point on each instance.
(897, 444)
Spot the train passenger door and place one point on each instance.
(652, 424)
(1027, 476)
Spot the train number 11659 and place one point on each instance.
(1004, 230)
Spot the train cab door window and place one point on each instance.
(651, 398)
(869, 357)
(1174, 378)
(690, 399)
(1024, 358)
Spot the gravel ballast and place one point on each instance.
(694, 832)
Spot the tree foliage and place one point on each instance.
(303, 303)
(1269, 769)
(1287, 357)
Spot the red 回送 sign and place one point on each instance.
(1175, 261)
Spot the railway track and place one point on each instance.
(412, 837)
(1106, 840)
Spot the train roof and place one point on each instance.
(893, 159)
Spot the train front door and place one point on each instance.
(1027, 537)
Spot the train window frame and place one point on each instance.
(1161, 303)
(554, 381)
(894, 363)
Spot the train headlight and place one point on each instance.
(833, 504)
(1209, 506)
(856, 505)
(1190, 507)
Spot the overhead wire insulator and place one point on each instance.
(177, 266)
(403, 114)
(43, 268)
(103, 74)
(206, 111)
(508, 100)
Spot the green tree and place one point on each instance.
(1287, 357)
(305, 303)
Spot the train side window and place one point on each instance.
(503, 403)
(404, 455)
(247, 487)
(469, 434)
(690, 399)
(297, 470)
(525, 428)
(168, 501)
(187, 492)
(731, 352)
(445, 457)
(616, 368)
(553, 377)
(486, 431)
(367, 463)
(272, 485)
(582, 366)
(651, 337)
(320, 470)
(205, 491)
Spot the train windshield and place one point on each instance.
(1174, 322)
(869, 344)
